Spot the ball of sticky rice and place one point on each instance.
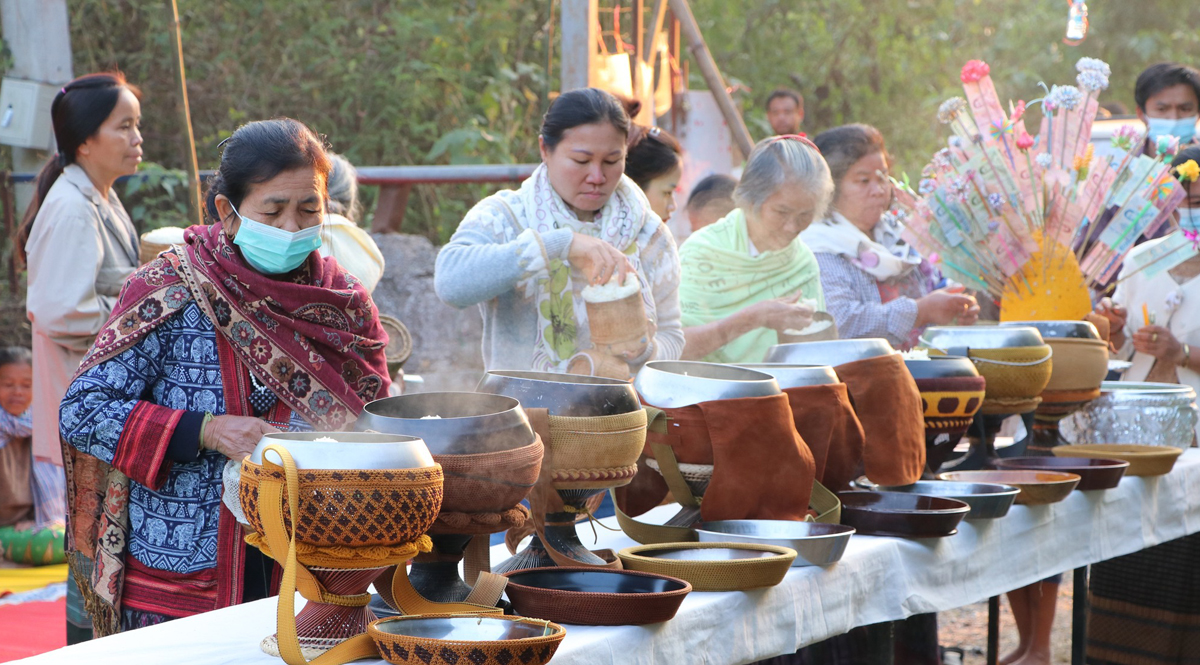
(612, 291)
(916, 354)
(814, 327)
(167, 235)
(325, 439)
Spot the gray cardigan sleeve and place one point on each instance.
(665, 276)
(486, 258)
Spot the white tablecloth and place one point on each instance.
(879, 579)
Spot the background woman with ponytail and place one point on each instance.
(654, 161)
(79, 245)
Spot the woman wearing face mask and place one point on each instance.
(748, 277)
(1168, 100)
(79, 246)
(655, 163)
(1165, 348)
(875, 284)
(1156, 586)
(242, 331)
(525, 255)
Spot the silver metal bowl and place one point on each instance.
(474, 628)
(1162, 414)
(1060, 329)
(796, 376)
(816, 544)
(465, 423)
(350, 450)
(563, 394)
(672, 384)
(831, 352)
(987, 500)
(955, 340)
(1139, 388)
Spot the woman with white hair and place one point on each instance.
(748, 276)
(342, 238)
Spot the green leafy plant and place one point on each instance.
(156, 197)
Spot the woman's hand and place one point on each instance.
(1157, 341)
(234, 436)
(781, 314)
(944, 306)
(598, 260)
(1116, 315)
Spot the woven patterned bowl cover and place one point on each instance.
(354, 508)
(1014, 381)
(408, 650)
(716, 574)
(489, 482)
(588, 608)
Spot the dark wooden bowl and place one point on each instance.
(902, 515)
(1094, 474)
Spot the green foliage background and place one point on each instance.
(465, 81)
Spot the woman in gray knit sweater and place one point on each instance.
(525, 255)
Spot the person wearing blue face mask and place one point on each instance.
(1145, 606)
(242, 330)
(1168, 101)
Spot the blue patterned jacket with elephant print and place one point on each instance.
(174, 527)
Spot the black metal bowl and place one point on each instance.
(451, 423)
(563, 394)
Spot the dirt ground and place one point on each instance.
(966, 628)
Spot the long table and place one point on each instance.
(878, 579)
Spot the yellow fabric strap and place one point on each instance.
(651, 534)
(297, 577)
(487, 589)
(407, 601)
(827, 504)
(656, 419)
(476, 559)
(668, 466)
(356, 648)
(280, 540)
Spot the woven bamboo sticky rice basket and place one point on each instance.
(157, 241)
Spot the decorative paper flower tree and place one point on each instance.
(1035, 221)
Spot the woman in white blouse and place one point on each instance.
(80, 245)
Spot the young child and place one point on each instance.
(24, 537)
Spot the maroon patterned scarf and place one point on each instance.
(313, 337)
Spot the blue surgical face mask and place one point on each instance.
(273, 251)
(1189, 219)
(1184, 128)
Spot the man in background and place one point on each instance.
(785, 111)
(1168, 101)
(710, 200)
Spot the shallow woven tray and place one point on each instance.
(767, 567)
(410, 650)
(1144, 460)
